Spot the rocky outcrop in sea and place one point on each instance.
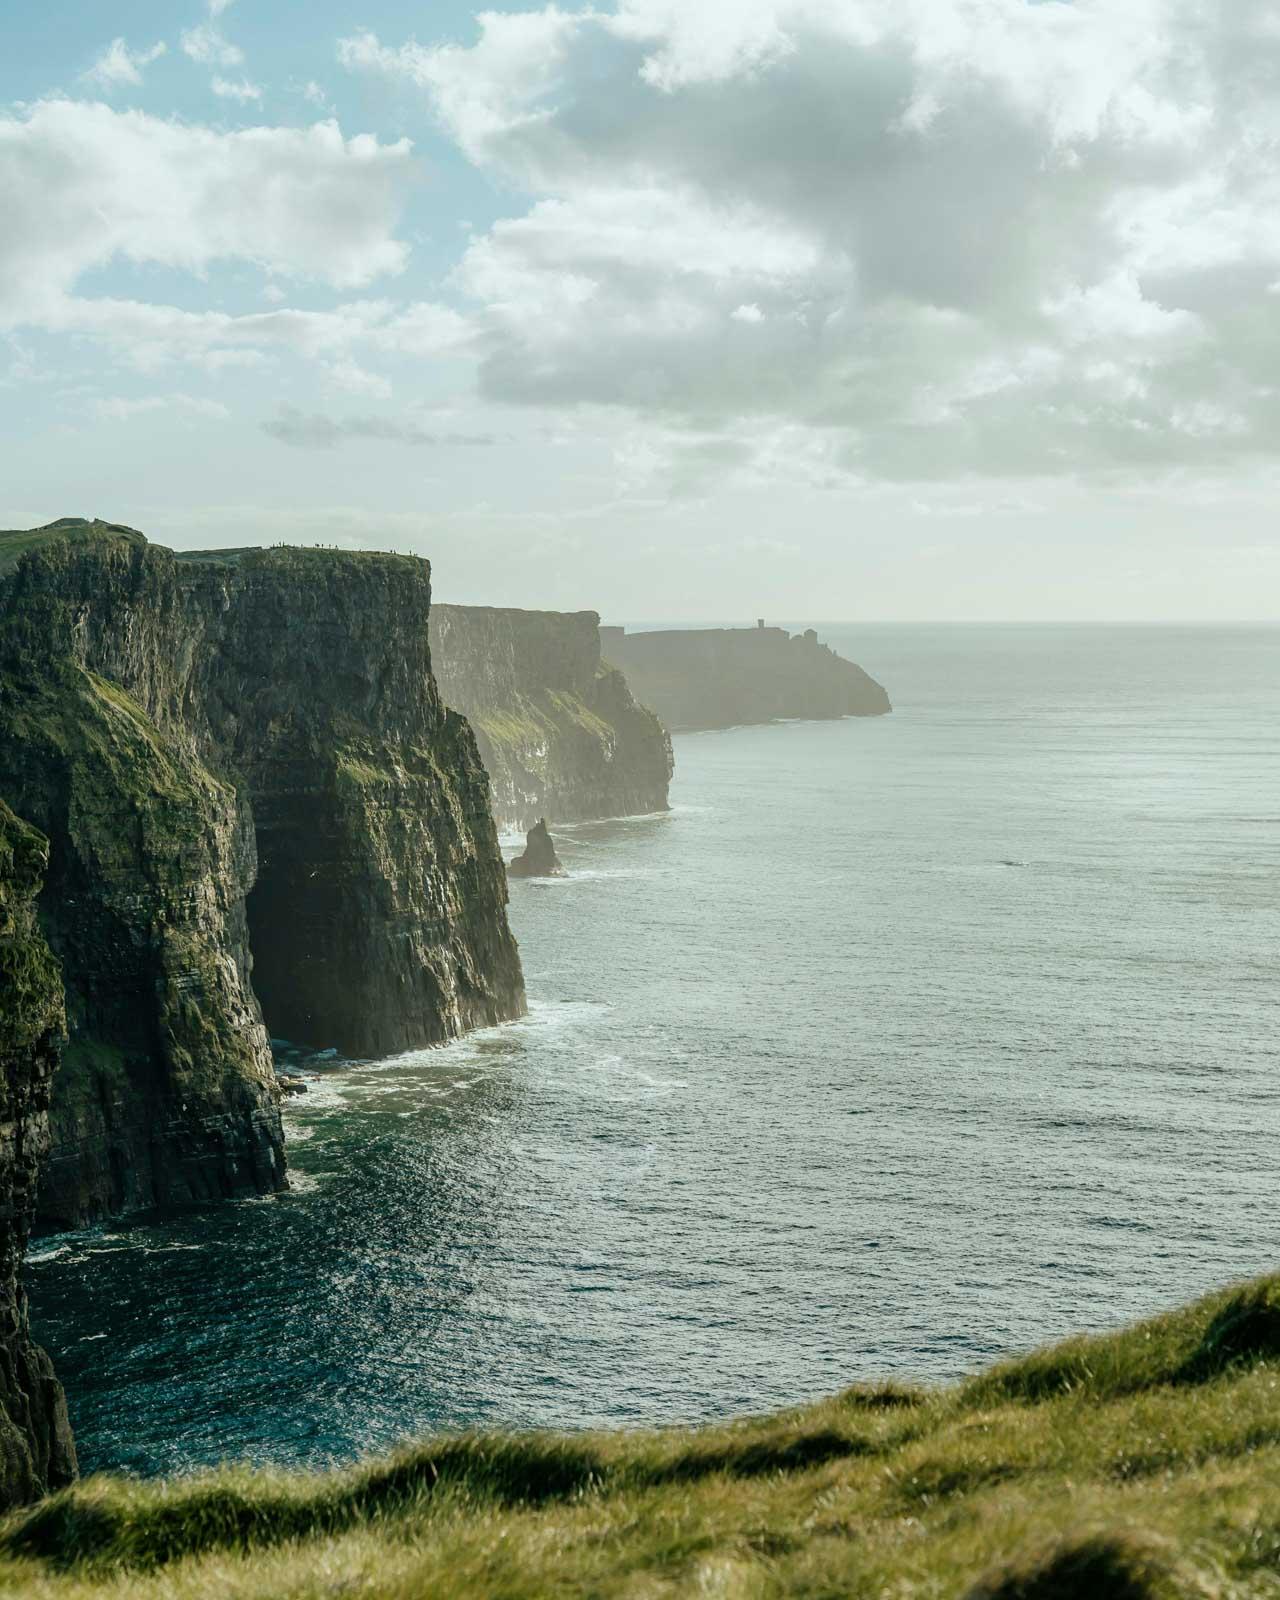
(723, 677)
(559, 730)
(539, 858)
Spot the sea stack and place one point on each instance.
(539, 859)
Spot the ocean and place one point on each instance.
(897, 1046)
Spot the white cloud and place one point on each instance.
(120, 409)
(207, 45)
(149, 336)
(225, 89)
(118, 65)
(355, 379)
(943, 236)
(317, 432)
(217, 7)
(83, 186)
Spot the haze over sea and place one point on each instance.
(898, 1045)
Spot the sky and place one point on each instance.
(858, 309)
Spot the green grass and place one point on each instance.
(1138, 1465)
(15, 543)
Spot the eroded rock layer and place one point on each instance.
(559, 730)
(721, 677)
(36, 1451)
(253, 794)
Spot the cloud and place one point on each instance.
(225, 89)
(946, 236)
(118, 65)
(83, 185)
(149, 336)
(355, 379)
(217, 7)
(207, 45)
(313, 431)
(119, 409)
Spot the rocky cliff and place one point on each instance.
(36, 1452)
(257, 804)
(558, 728)
(721, 677)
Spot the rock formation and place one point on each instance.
(36, 1451)
(256, 803)
(558, 729)
(721, 677)
(539, 859)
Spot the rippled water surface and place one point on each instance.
(896, 1046)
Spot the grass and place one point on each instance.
(1143, 1465)
(17, 542)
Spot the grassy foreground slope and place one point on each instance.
(1145, 1463)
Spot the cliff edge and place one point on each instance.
(1142, 1464)
(723, 677)
(559, 730)
(256, 803)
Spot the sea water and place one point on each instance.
(896, 1046)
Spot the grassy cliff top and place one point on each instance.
(15, 543)
(1141, 1464)
(298, 556)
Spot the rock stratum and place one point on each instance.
(723, 677)
(559, 730)
(257, 806)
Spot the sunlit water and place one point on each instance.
(896, 1046)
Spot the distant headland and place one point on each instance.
(721, 677)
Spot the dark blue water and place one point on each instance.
(897, 1046)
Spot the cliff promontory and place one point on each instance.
(559, 730)
(721, 677)
(257, 806)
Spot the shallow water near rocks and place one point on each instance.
(897, 1046)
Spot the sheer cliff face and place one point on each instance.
(254, 795)
(558, 729)
(36, 1451)
(721, 677)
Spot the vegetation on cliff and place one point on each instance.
(18, 542)
(1140, 1465)
(559, 731)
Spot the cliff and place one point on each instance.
(256, 803)
(559, 730)
(36, 1452)
(1141, 1465)
(722, 677)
